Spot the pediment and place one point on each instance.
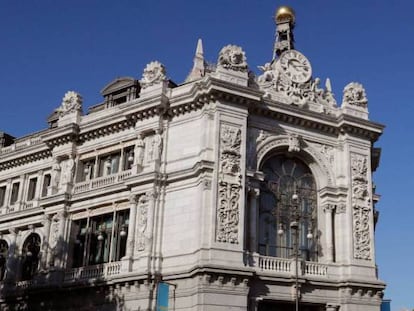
(118, 84)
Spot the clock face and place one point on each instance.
(295, 66)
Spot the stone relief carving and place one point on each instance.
(325, 150)
(229, 185)
(354, 95)
(361, 207)
(71, 102)
(142, 222)
(232, 57)
(294, 143)
(274, 82)
(154, 73)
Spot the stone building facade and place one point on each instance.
(242, 192)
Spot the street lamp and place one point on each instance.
(298, 216)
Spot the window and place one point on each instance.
(32, 189)
(46, 183)
(4, 251)
(109, 164)
(100, 239)
(15, 193)
(30, 256)
(86, 170)
(287, 214)
(2, 195)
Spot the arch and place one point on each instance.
(30, 256)
(274, 145)
(287, 208)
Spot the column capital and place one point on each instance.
(253, 191)
(329, 208)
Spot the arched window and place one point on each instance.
(4, 251)
(30, 256)
(287, 213)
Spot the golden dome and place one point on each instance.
(284, 13)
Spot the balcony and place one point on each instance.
(101, 182)
(284, 266)
(102, 271)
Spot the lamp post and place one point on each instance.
(298, 216)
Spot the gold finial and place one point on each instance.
(285, 13)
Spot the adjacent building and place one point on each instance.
(240, 192)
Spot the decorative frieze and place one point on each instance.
(229, 185)
(361, 207)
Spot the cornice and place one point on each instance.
(61, 135)
(30, 157)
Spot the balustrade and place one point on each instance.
(93, 272)
(100, 182)
(283, 265)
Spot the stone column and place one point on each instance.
(11, 267)
(149, 234)
(133, 200)
(253, 197)
(328, 209)
(45, 245)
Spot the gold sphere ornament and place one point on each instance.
(285, 13)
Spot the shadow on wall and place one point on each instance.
(31, 284)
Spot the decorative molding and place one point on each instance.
(361, 207)
(229, 185)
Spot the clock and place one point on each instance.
(295, 66)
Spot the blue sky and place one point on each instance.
(49, 47)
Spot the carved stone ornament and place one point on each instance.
(276, 82)
(142, 223)
(154, 73)
(354, 95)
(232, 57)
(71, 102)
(229, 185)
(294, 143)
(361, 207)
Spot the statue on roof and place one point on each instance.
(71, 102)
(354, 95)
(154, 73)
(232, 57)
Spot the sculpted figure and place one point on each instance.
(55, 175)
(267, 75)
(232, 57)
(139, 150)
(68, 170)
(71, 102)
(157, 145)
(153, 73)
